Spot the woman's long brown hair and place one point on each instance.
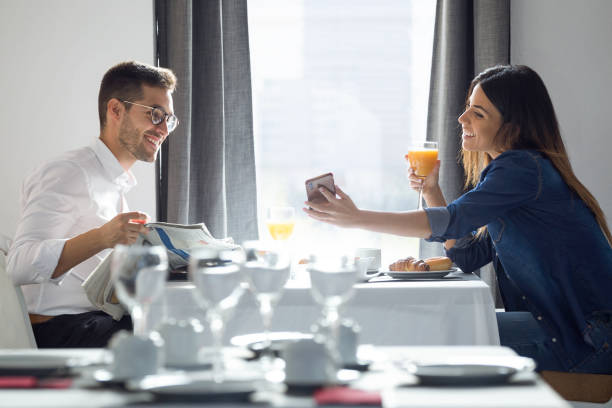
(529, 122)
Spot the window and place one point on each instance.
(340, 86)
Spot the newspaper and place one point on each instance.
(179, 240)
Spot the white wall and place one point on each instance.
(569, 43)
(54, 54)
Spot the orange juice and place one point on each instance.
(422, 161)
(280, 230)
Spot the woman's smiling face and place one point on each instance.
(480, 123)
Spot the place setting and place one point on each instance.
(412, 269)
(468, 371)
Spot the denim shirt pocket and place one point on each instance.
(496, 229)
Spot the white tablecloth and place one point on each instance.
(450, 312)
(536, 394)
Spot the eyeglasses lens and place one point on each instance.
(157, 116)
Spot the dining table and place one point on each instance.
(389, 382)
(454, 310)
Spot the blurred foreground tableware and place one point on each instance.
(332, 278)
(218, 287)
(266, 270)
(139, 276)
(183, 340)
(135, 356)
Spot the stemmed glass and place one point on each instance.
(422, 159)
(331, 282)
(280, 222)
(266, 269)
(139, 275)
(218, 288)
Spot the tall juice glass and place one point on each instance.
(423, 159)
(280, 222)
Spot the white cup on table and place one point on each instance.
(307, 361)
(136, 356)
(182, 342)
(370, 253)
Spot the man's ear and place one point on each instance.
(114, 109)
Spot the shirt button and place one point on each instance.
(554, 339)
(539, 317)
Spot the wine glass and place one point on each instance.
(267, 270)
(218, 288)
(280, 222)
(422, 159)
(331, 283)
(139, 275)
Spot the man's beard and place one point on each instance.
(133, 141)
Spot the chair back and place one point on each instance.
(15, 327)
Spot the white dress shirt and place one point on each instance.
(79, 191)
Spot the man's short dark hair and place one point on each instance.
(124, 81)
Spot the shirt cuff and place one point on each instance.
(49, 254)
(438, 217)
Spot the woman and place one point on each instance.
(527, 213)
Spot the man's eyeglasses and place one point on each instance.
(158, 115)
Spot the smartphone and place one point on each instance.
(312, 187)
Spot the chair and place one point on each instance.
(16, 329)
(582, 387)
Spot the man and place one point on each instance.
(74, 209)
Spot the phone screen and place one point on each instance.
(313, 184)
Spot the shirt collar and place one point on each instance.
(122, 178)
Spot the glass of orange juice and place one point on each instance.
(280, 222)
(422, 159)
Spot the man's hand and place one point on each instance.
(123, 229)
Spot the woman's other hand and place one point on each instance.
(340, 211)
(429, 184)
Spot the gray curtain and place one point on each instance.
(206, 170)
(470, 35)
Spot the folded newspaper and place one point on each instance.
(179, 240)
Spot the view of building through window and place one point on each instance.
(339, 86)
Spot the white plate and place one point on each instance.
(477, 371)
(248, 340)
(463, 374)
(419, 274)
(179, 387)
(44, 361)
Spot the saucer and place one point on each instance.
(358, 365)
(344, 377)
(463, 374)
(197, 390)
(16, 364)
(255, 342)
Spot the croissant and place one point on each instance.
(439, 263)
(409, 264)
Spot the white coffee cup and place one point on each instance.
(182, 341)
(347, 342)
(135, 356)
(370, 252)
(307, 361)
(363, 264)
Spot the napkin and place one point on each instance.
(346, 396)
(33, 382)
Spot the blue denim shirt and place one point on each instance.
(551, 257)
